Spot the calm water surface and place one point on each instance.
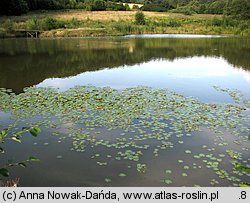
(190, 65)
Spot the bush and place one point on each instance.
(74, 22)
(216, 7)
(185, 10)
(173, 23)
(154, 7)
(140, 18)
(111, 6)
(188, 12)
(32, 24)
(217, 22)
(8, 25)
(50, 23)
(239, 9)
(135, 7)
(124, 27)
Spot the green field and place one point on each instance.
(80, 23)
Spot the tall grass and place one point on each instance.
(159, 24)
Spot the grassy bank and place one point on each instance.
(79, 23)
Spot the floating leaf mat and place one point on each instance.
(137, 116)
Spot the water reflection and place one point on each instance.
(195, 78)
(27, 62)
(191, 66)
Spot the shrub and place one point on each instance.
(135, 7)
(32, 24)
(8, 25)
(124, 27)
(50, 23)
(188, 12)
(239, 9)
(74, 22)
(140, 18)
(154, 7)
(173, 23)
(217, 22)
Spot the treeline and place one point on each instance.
(239, 9)
(18, 7)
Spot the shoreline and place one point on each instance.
(66, 34)
(78, 23)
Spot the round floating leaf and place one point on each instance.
(134, 116)
(184, 174)
(167, 181)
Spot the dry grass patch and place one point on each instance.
(105, 15)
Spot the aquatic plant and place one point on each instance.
(135, 117)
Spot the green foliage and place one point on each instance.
(154, 7)
(13, 7)
(244, 185)
(216, 7)
(8, 25)
(18, 7)
(49, 4)
(228, 22)
(116, 6)
(4, 172)
(95, 5)
(187, 12)
(74, 23)
(217, 22)
(173, 23)
(34, 131)
(50, 23)
(32, 24)
(33, 158)
(125, 27)
(239, 166)
(140, 18)
(239, 9)
(4, 135)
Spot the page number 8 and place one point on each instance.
(243, 195)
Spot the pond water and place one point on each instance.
(199, 139)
